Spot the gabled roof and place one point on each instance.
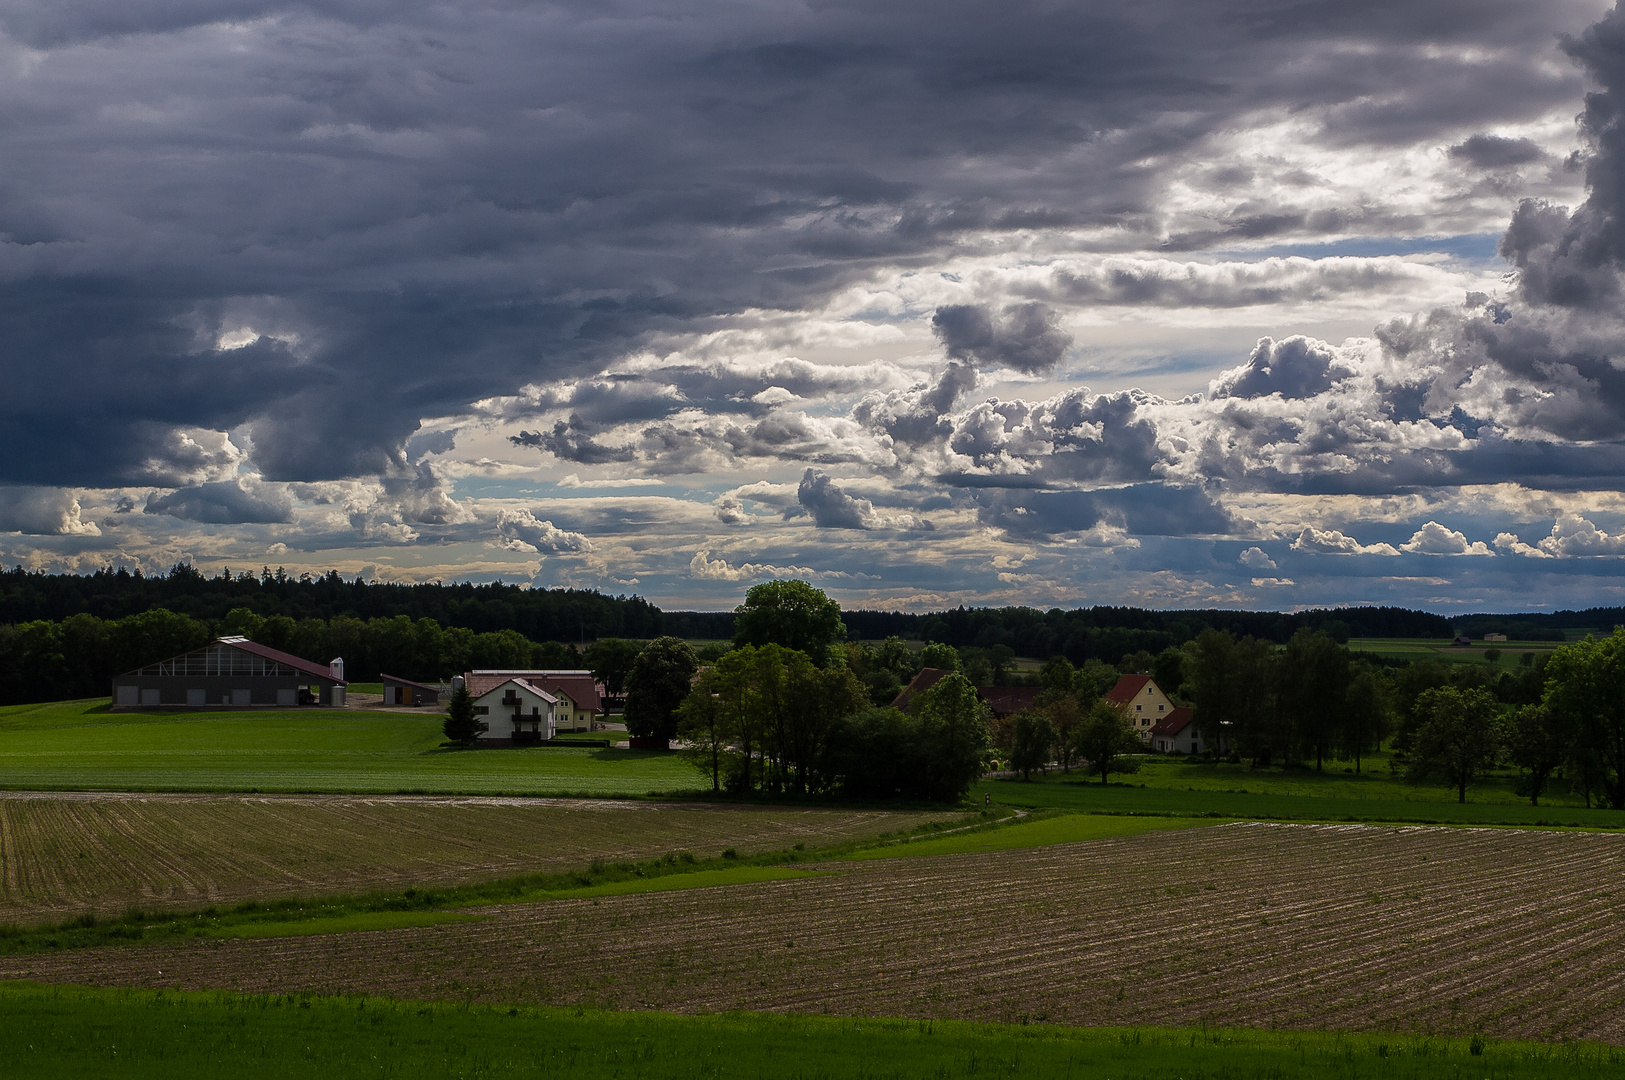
(527, 684)
(579, 685)
(1175, 722)
(408, 682)
(925, 680)
(1127, 689)
(1004, 700)
(265, 652)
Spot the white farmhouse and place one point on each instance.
(514, 710)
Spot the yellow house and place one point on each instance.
(1142, 701)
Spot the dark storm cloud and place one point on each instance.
(223, 503)
(1022, 336)
(1497, 151)
(1140, 509)
(418, 206)
(830, 507)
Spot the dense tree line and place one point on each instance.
(78, 656)
(1110, 633)
(538, 614)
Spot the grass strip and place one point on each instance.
(677, 870)
(65, 1031)
(1040, 832)
(695, 879)
(341, 924)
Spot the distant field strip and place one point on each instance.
(66, 855)
(1336, 926)
(81, 746)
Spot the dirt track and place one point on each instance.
(1512, 933)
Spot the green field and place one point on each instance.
(1442, 649)
(76, 1032)
(81, 745)
(1260, 802)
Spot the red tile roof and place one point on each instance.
(579, 686)
(925, 680)
(1004, 700)
(1127, 689)
(1175, 722)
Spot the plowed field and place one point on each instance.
(1429, 929)
(63, 855)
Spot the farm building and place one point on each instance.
(234, 673)
(1003, 700)
(1175, 733)
(398, 691)
(513, 708)
(577, 696)
(1142, 701)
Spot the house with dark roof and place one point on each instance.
(1142, 702)
(923, 680)
(231, 673)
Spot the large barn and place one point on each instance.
(232, 673)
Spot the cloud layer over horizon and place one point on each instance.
(1242, 304)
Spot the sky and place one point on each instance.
(1269, 304)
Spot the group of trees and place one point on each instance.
(783, 711)
(78, 656)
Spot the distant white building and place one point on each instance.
(515, 710)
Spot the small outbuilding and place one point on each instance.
(398, 691)
(231, 673)
(1176, 733)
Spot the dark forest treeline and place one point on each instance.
(538, 614)
(1109, 633)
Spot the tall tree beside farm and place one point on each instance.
(611, 660)
(462, 726)
(791, 614)
(1585, 685)
(703, 723)
(1364, 713)
(1456, 741)
(1034, 739)
(1107, 742)
(954, 730)
(659, 680)
(1313, 674)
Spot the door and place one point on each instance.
(242, 697)
(129, 695)
(197, 697)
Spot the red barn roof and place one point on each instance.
(925, 680)
(1005, 700)
(577, 685)
(1175, 722)
(321, 671)
(1127, 689)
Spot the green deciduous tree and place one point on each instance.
(610, 660)
(703, 723)
(1456, 739)
(462, 726)
(1107, 742)
(1034, 739)
(1585, 686)
(791, 614)
(660, 679)
(954, 734)
(1538, 741)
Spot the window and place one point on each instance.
(1139, 708)
(1159, 708)
(482, 710)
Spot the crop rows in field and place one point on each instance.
(63, 855)
(1416, 928)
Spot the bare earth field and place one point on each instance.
(1335, 926)
(62, 855)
